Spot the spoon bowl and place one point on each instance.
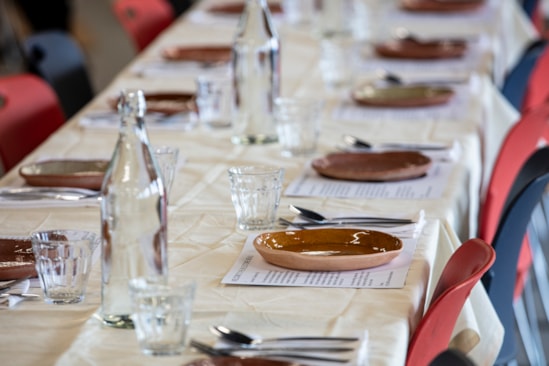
(315, 217)
(244, 340)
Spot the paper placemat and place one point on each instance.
(251, 269)
(431, 186)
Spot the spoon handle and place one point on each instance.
(315, 339)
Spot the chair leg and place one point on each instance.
(530, 306)
(538, 233)
(528, 337)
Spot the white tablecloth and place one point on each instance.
(203, 241)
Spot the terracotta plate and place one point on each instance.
(401, 96)
(65, 173)
(16, 259)
(371, 166)
(237, 8)
(444, 6)
(328, 249)
(207, 54)
(237, 361)
(167, 103)
(414, 49)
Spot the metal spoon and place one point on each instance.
(358, 143)
(315, 217)
(245, 340)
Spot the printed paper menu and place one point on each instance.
(430, 186)
(251, 269)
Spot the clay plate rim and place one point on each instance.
(446, 6)
(237, 361)
(376, 166)
(215, 54)
(410, 49)
(401, 96)
(236, 8)
(167, 103)
(65, 173)
(16, 250)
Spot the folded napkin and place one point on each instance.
(450, 153)
(11, 300)
(412, 230)
(154, 121)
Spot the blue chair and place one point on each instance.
(58, 59)
(525, 194)
(516, 81)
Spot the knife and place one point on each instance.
(6, 286)
(39, 193)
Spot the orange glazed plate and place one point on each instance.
(403, 96)
(236, 8)
(205, 54)
(16, 259)
(373, 166)
(167, 103)
(414, 49)
(328, 249)
(237, 361)
(87, 174)
(441, 6)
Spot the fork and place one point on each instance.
(211, 351)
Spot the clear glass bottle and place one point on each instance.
(133, 214)
(256, 75)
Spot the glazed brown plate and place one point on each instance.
(373, 166)
(401, 95)
(206, 54)
(443, 6)
(237, 361)
(167, 103)
(328, 249)
(415, 49)
(16, 259)
(65, 173)
(236, 8)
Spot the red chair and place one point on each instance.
(525, 137)
(143, 20)
(463, 270)
(29, 113)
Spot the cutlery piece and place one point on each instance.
(39, 193)
(23, 295)
(285, 222)
(317, 218)
(6, 286)
(243, 339)
(204, 348)
(358, 143)
(307, 225)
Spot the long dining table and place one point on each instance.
(203, 241)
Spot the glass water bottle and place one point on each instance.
(133, 214)
(256, 75)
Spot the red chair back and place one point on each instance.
(143, 20)
(525, 137)
(29, 113)
(463, 270)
